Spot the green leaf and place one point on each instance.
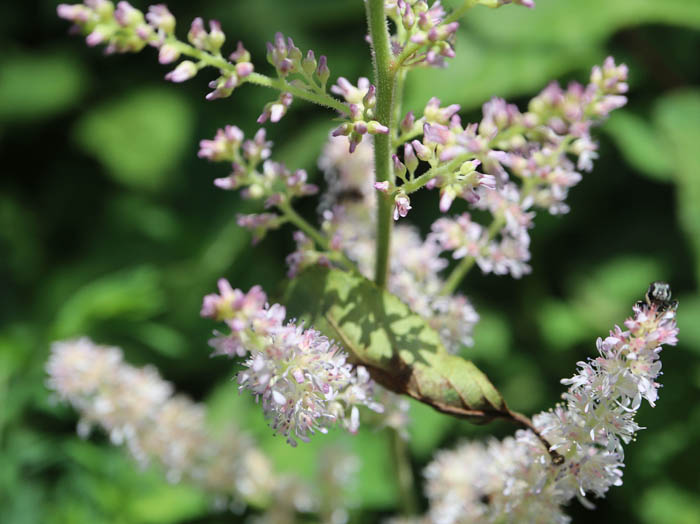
(401, 351)
(125, 492)
(302, 149)
(140, 138)
(640, 146)
(668, 504)
(560, 325)
(688, 315)
(514, 51)
(610, 290)
(134, 293)
(484, 69)
(377, 482)
(678, 119)
(162, 338)
(492, 338)
(577, 23)
(39, 85)
(427, 429)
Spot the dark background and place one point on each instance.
(110, 226)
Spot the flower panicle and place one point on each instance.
(302, 378)
(516, 480)
(508, 164)
(138, 409)
(125, 29)
(254, 173)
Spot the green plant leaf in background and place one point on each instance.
(637, 140)
(574, 23)
(122, 492)
(509, 51)
(596, 297)
(669, 504)
(39, 85)
(677, 117)
(134, 293)
(377, 488)
(140, 137)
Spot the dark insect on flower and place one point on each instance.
(350, 195)
(659, 295)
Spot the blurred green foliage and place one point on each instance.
(110, 226)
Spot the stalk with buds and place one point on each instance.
(376, 315)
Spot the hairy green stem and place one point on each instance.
(313, 233)
(404, 473)
(417, 183)
(280, 84)
(460, 11)
(398, 103)
(299, 221)
(385, 80)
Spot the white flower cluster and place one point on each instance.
(414, 263)
(302, 377)
(515, 480)
(136, 407)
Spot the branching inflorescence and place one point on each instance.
(507, 166)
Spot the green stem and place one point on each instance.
(299, 221)
(461, 269)
(280, 84)
(398, 103)
(460, 11)
(385, 81)
(417, 183)
(409, 135)
(313, 233)
(404, 473)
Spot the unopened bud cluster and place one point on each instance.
(255, 174)
(126, 29)
(423, 36)
(362, 101)
(508, 164)
(302, 378)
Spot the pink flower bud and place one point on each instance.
(402, 205)
(184, 71)
(375, 128)
(409, 158)
(168, 53)
(160, 18)
(197, 35)
(382, 186)
(423, 152)
(240, 54)
(216, 36)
